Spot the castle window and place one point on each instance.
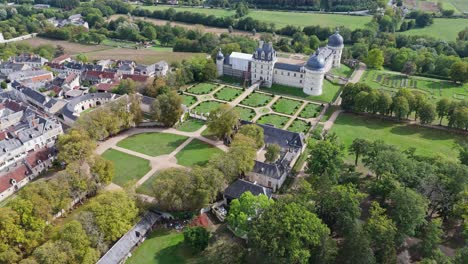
(294, 75)
(261, 72)
(282, 72)
(276, 72)
(289, 74)
(301, 75)
(255, 75)
(261, 66)
(300, 81)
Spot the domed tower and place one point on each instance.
(314, 74)
(263, 62)
(335, 42)
(219, 63)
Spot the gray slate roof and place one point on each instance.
(285, 139)
(274, 170)
(288, 67)
(237, 188)
(69, 109)
(35, 95)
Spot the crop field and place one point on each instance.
(283, 18)
(443, 28)
(434, 89)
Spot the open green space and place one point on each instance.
(299, 126)
(283, 18)
(272, 119)
(191, 125)
(434, 89)
(161, 247)
(245, 113)
(147, 187)
(443, 28)
(427, 141)
(257, 99)
(228, 93)
(331, 109)
(128, 168)
(202, 88)
(343, 71)
(197, 153)
(188, 100)
(206, 107)
(329, 93)
(461, 5)
(311, 110)
(152, 144)
(286, 106)
(161, 48)
(118, 43)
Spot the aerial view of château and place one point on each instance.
(233, 131)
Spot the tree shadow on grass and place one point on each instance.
(426, 133)
(171, 255)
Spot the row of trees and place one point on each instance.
(337, 6)
(361, 98)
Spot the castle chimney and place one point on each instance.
(260, 44)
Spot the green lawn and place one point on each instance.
(147, 186)
(286, 106)
(434, 89)
(206, 107)
(202, 88)
(228, 93)
(245, 113)
(161, 48)
(330, 91)
(197, 153)
(284, 18)
(152, 144)
(329, 112)
(343, 71)
(191, 125)
(275, 120)
(428, 142)
(299, 126)
(118, 43)
(257, 99)
(310, 111)
(161, 247)
(128, 168)
(443, 28)
(188, 100)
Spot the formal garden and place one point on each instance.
(245, 113)
(434, 89)
(152, 144)
(206, 106)
(202, 88)
(191, 125)
(188, 100)
(299, 126)
(330, 91)
(227, 93)
(128, 168)
(256, 99)
(275, 120)
(311, 110)
(286, 106)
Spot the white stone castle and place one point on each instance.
(262, 66)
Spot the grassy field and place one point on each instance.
(272, 119)
(443, 28)
(152, 144)
(228, 93)
(161, 247)
(128, 168)
(299, 126)
(286, 106)
(310, 111)
(188, 100)
(461, 5)
(257, 99)
(330, 91)
(343, 71)
(191, 125)
(434, 89)
(206, 107)
(197, 153)
(282, 19)
(202, 88)
(428, 142)
(245, 113)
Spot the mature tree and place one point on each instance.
(400, 107)
(157, 87)
(81, 57)
(384, 103)
(431, 237)
(73, 233)
(409, 68)
(427, 113)
(197, 238)
(306, 233)
(209, 71)
(382, 232)
(167, 108)
(54, 252)
(326, 158)
(375, 59)
(245, 210)
(243, 152)
(443, 106)
(255, 132)
(272, 152)
(12, 234)
(339, 207)
(126, 86)
(222, 120)
(356, 247)
(424, 19)
(463, 152)
(149, 32)
(75, 146)
(408, 210)
(459, 72)
(3, 85)
(102, 169)
(359, 147)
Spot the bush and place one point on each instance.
(197, 238)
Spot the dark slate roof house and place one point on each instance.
(237, 188)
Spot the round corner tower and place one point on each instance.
(335, 43)
(219, 63)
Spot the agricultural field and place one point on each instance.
(227, 94)
(330, 91)
(427, 141)
(286, 106)
(245, 113)
(206, 107)
(434, 89)
(128, 168)
(299, 126)
(272, 119)
(443, 28)
(202, 88)
(257, 99)
(152, 144)
(188, 100)
(311, 111)
(197, 153)
(283, 18)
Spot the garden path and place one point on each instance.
(291, 120)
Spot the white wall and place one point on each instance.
(287, 78)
